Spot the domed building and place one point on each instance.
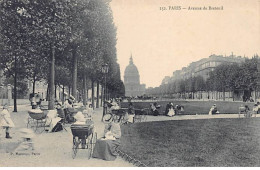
(132, 84)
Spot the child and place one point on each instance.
(27, 144)
(88, 112)
(6, 121)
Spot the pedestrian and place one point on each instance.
(168, 106)
(38, 99)
(171, 111)
(130, 114)
(6, 121)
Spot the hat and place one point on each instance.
(27, 133)
(72, 98)
(107, 118)
(79, 117)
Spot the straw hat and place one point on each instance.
(107, 118)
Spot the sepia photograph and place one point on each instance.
(129, 83)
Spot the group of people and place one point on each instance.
(247, 112)
(113, 104)
(172, 110)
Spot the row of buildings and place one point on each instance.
(202, 67)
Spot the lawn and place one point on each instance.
(189, 143)
(194, 107)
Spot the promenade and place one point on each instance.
(52, 149)
(55, 149)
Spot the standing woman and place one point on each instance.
(131, 113)
(6, 121)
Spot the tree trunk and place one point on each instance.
(224, 94)
(84, 90)
(107, 94)
(48, 92)
(55, 92)
(34, 82)
(69, 91)
(51, 83)
(63, 91)
(15, 84)
(97, 105)
(102, 95)
(74, 74)
(93, 93)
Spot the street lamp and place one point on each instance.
(105, 71)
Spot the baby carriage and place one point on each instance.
(84, 137)
(36, 120)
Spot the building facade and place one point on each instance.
(204, 66)
(132, 84)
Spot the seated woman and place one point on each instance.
(60, 111)
(53, 121)
(213, 110)
(255, 109)
(115, 105)
(105, 147)
(154, 109)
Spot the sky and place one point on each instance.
(162, 41)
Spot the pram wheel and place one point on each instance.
(93, 142)
(83, 138)
(75, 147)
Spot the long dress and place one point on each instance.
(106, 148)
(171, 112)
(5, 119)
(52, 120)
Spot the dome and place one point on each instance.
(131, 69)
(132, 80)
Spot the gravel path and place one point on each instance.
(52, 149)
